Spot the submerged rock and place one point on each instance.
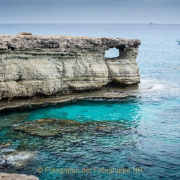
(5, 144)
(51, 127)
(105, 129)
(14, 119)
(8, 169)
(19, 159)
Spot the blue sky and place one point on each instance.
(90, 11)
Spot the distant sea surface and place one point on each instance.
(151, 136)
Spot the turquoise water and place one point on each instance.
(147, 131)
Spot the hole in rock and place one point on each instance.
(112, 53)
(11, 48)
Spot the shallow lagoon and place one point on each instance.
(147, 125)
(146, 136)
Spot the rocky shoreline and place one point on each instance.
(105, 93)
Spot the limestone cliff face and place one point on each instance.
(123, 69)
(47, 65)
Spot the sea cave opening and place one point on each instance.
(112, 53)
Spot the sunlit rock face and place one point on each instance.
(48, 65)
(124, 70)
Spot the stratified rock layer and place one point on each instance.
(47, 65)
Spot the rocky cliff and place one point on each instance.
(47, 65)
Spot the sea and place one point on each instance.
(146, 142)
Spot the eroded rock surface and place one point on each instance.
(46, 65)
(6, 176)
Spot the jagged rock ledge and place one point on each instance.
(59, 65)
(113, 93)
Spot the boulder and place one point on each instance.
(19, 159)
(6, 176)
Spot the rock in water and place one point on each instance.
(48, 65)
(51, 127)
(20, 159)
(6, 176)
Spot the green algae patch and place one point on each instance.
(51, 127)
